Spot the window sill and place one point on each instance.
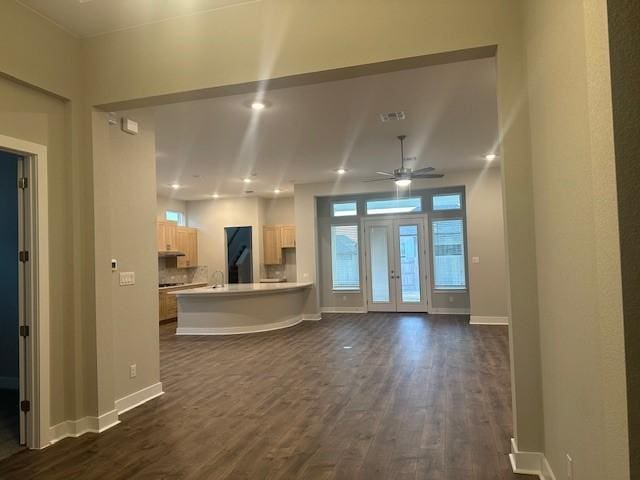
(346, 291)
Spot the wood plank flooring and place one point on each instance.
(376, 396)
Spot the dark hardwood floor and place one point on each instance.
(377, 396)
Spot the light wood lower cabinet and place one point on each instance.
(168, 304)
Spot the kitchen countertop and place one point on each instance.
(182, 285)
(242, 289)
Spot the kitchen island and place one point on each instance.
(240, 308)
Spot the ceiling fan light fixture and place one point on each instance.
(403, 182)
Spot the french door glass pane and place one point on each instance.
(409, 264)
(379, 264)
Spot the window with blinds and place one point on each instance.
(345, 264)
(448, 254)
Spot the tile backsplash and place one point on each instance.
(286, 270)
(167, 274)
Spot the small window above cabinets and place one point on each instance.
(275, 238)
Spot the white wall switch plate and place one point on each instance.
(475, 259)
(133, 371)
(127, 278)
(114, 264)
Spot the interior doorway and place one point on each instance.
(12, 348)
(397, 264)
(239, 254)
(26, 265)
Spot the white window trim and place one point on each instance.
(354, 290)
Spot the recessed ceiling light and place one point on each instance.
(258, 106)
(490, 156)
(341, 171)
(403, 182)
(175, 186)
(277, 190)
(247, 180)
(215, 195)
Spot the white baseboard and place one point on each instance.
(136, 399)
(311, 317)
(265, 327)
(530, 463)
(75, 428)
(449, 311)
(481, 320)
(9, 383)
(343, 310)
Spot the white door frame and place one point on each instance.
(36, 300)
(423, 252)
(367, 223)
(425, 262)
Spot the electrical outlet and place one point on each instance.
(569, 467)
(127, 278)
(133, 371)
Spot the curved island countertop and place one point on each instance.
(243, 289)
(241, 308)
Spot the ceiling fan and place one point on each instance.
(403, 176)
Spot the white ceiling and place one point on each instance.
(308, 132)
(86, 18)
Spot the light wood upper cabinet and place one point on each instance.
(288, 234)
(274, 239)
(166, 233)
(187, 243)
(272, 245)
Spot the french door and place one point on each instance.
(397, 269)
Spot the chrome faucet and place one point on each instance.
(218, 279)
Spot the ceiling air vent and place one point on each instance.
(387, 117)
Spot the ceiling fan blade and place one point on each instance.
(428, 175)
(377, 179)
(385, 173)
(423, 170)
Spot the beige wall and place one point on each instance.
(41, 100)
(133, 213)
(210, 217)
(166, 203)
(624, 37)
(485, 239)
(577, 238)
(276, 38)
(279, 211)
